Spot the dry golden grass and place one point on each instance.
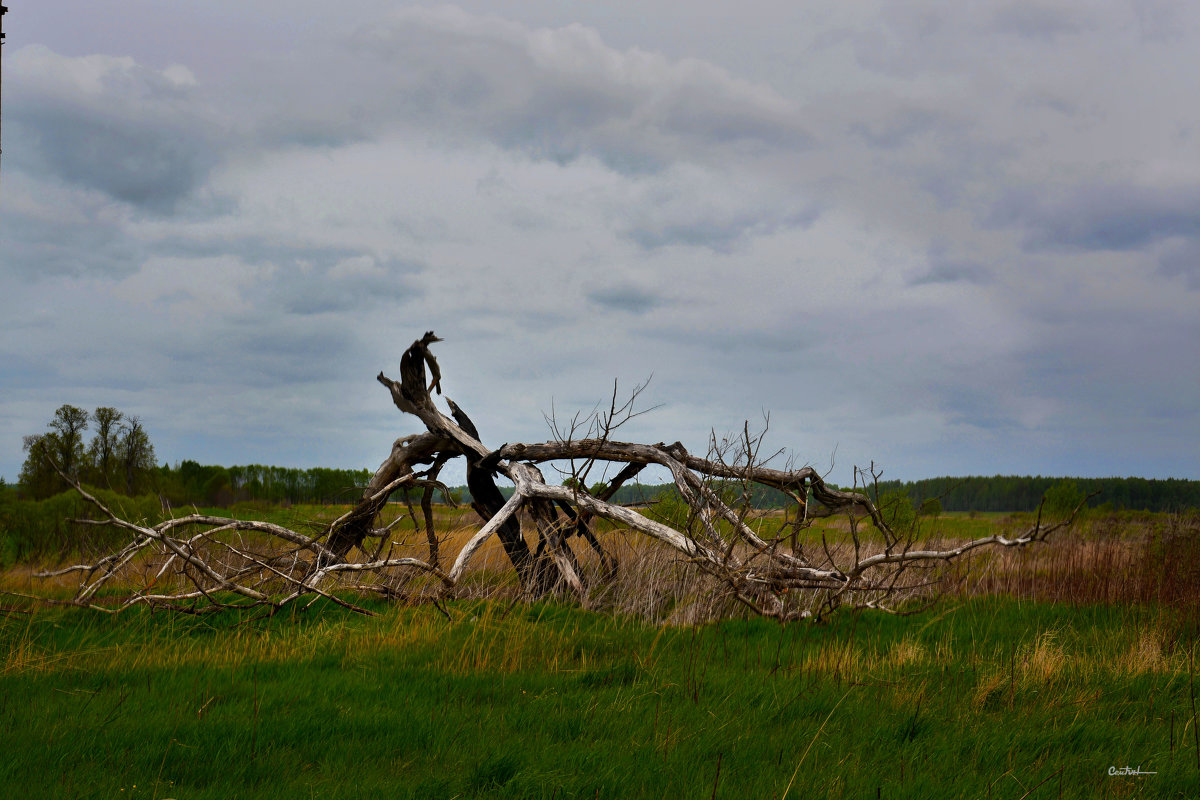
(908, 651)
(1153, 559)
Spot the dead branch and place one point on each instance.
(197, 562)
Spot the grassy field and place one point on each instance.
(1033, 682)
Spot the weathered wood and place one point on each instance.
(349, 531)
(487, 500)
(211, 565)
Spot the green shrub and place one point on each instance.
(897, 511)
(44, 530)
(1061, 499)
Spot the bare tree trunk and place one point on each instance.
(203, 562)
(407, 452)
(487, 501)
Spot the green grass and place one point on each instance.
(986, 698)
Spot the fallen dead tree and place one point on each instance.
(199, 562)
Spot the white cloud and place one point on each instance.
(560, 93)
(193, 287)
(356, 267)
(179, 75)
(49, 73)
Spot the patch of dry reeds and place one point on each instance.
(1104, 559)
(1110, 559)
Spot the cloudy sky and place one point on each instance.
(952, 238)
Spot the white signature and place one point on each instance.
(1128, 771)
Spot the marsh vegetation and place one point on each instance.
(1029, 679)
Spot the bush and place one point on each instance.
(670, 509)
(1061, 499)
(897, 511)
(43, 531)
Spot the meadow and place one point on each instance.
(1037, 674)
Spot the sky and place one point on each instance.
(944, 238)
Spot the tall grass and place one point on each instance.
(1104, 559)
(1114, 558)
(43, 531)
(1041, 669)
(989, 697)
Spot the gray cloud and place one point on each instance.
(562, 93)
(354, 283)
(744, 343)
(284, 354)
(693, 207)
(898, 127)
(1102, 217)
(22, 373)
(1039, 19)
(148, 168)
(62, 233)
(625, 297)
(951, 238)
(946, 269)
(977, 407)
(1182, 258)
(108, 124)
(720, 232)
(252, 248)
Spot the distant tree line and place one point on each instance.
(637, 493)
(1024, 493)
(191, 482)
(119, 458)
(980, 493)
(1009, 493)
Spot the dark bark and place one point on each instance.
(407, 452)
(553, 559)
(487, 499)
(412, 371)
